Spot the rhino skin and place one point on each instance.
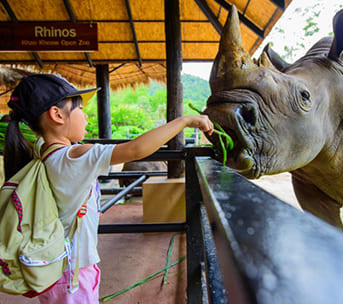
(284, 117)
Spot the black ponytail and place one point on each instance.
(17, 151)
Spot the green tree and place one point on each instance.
(135, 111)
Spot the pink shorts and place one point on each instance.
(88, 292)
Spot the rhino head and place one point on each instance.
(282, 117)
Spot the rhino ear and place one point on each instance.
(275, 58)
(337, 43)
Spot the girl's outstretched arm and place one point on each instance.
(151, 141)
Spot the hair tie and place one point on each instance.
(15, 117)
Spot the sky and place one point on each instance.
(289, 31)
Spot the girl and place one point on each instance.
(52, 107)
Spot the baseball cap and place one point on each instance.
(36, 93)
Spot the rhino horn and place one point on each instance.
(264, 61)
(275, 58)
(231, 55)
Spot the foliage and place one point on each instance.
(25, 130)
(135, 111)
(301, 25)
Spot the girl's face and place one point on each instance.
(76, 123)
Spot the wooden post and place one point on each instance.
(174, 86)
(104, 107)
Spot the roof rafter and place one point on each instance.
(210, 15)
(73, 19)
(243, 19)
(133, 31)
(15, 19)
(280, 3)
(9, 10)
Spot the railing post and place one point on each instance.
(194, 243)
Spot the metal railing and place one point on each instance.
(246, 246)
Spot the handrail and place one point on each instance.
(246, 246)
(268, 251)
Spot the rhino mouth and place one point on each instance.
(237, 114)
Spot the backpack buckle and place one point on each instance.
(82, 211)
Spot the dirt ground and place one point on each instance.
(129, 258)
(279, 185)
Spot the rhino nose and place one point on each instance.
(248, 114)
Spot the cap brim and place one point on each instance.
(85, 94)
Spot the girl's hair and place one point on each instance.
(18, 150)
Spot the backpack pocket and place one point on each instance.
(43, 266)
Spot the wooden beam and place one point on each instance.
(117, 68)
(72, 18)
(9, 10)
(14, 19)
(133, 32)
(280, 3)
(103, 97)
(37, 59)
(69, 10)
(243, 19)
(174, 86)
(210, 15)
(89, 59)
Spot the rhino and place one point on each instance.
(283, 117)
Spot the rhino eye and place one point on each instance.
(305, 95)
(305, 102)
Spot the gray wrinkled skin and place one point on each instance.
(284, 117)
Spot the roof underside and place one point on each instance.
(131, 34)
(123, 24)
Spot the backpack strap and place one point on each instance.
(74, 283)
(50, 150)
(82, 211)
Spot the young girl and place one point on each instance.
(52, 107)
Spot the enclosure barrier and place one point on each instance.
(246, 246)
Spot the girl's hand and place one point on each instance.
(202, 122)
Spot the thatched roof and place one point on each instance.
(121, 76)
(132, 32)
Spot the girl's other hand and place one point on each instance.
(202, 122)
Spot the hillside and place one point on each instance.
(195, 90)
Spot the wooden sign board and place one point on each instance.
(48, 36)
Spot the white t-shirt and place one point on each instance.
(71, 181)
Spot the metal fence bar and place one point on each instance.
(142, 227)
(121, 194)
(111, 191)
(193, 232)
(268, 251)
(131, 174)
(215, 285)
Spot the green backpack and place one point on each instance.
(33, 248)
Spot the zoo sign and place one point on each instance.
(48, 36)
